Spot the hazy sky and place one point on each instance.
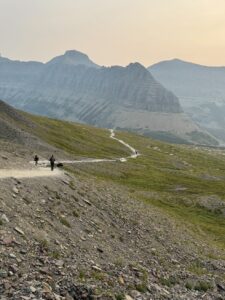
(114, 31)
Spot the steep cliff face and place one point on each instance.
(72, 87)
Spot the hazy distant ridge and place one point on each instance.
(73, 87)
(201, 90)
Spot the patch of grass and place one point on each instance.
(208, 225)
(197, 269)
(27, 200)
(44, 244)
(82, 275)
(170, 281)
(1, 222)
(189, 285)
(142, 287)
(98, 275)
(65, 222)
(119, 262)
(76, 214)
(203, 286)
(202, 138)
(120, 297)
(57, 195)
(56, 254)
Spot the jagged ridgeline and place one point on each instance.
(72, 87)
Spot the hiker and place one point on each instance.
(36, 159)
(52, 162)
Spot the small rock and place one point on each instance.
(65, 182)
(127, 297)
(11, 255)
(100, 250)
(3, 273)
(15, 190)
(32, 289)
(87, 202)
(5, 218)
(23, 251)
(96, 268)
(44, 270)
(57, 297)
(59, 263)
(7, 241)
(135, 294)
(121, 280)
(17, 229)
(46, 288)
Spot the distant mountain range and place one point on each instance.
(201, 91)
(72, 87)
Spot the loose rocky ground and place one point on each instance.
(78, 238)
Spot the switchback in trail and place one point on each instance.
(45, 172)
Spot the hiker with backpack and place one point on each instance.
(52, 162)
(36, 159)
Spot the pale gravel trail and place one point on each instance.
(40, 171)
(134, 154)
(32, 173)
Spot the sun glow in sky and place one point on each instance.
(114, 31)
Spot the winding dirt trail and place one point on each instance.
(42, 171)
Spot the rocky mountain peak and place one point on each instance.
(137, 70)
(136, 67)
(73, 57)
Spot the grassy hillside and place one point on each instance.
(185, 182)
(76, 139)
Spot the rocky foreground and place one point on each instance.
(77, 238)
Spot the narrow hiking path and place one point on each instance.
(134, 154)
(29, 173)
(133, 151)
(41, 171)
